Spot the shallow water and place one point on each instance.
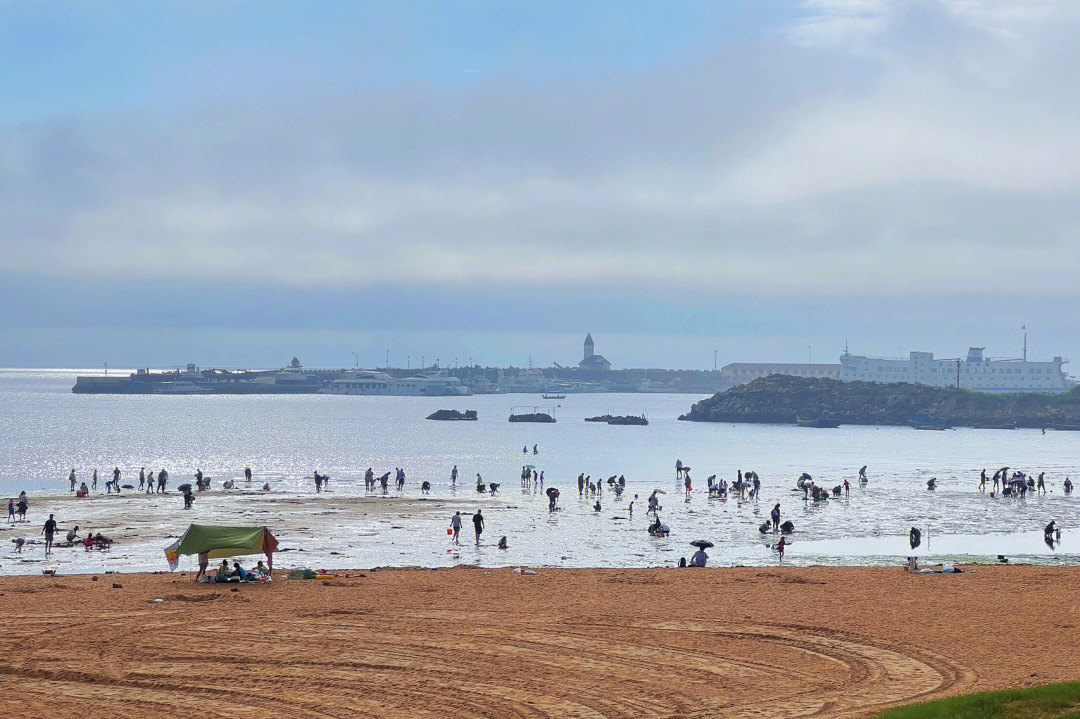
(45, 431)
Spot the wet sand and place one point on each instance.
(468, 642)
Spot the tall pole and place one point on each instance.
(1025, 343)
(714, 360)
(388, 360)
(957, 374)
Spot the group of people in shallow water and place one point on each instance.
(1018, 484)
(147, 482)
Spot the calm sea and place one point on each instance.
(45, 431)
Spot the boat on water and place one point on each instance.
(453, 415)
(926, 422)
(518, 414)
(818, 423)
(181, 387)
(630, 420)
(623, 419)
(1067, 427)
(554, 396)
(429, 384)
(360, 382)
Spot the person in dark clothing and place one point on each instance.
(775, 514)
(50, 529)
(478, 525)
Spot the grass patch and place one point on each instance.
(1053, 701)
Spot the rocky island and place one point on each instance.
(453, 415)
(787, 399)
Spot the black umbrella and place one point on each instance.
(552, 492)
(701, 543)
(185, 488)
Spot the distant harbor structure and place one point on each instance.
(293, 379)
(976, 371)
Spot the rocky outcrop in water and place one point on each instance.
(783, 399)
(453, 414)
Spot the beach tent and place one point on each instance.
(217, 541)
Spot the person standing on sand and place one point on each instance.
(455, 524)
(142, 478)
(580, 484)
(982, 481)
(71, 480)
(11, 510)
(93, 482)
(478, 525)
(780, 548)
(204, 562)
(49, 530)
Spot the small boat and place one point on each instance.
(818, 423)
(535, 416)
(453, 414)
(1067, 427)
(554, 396)
(925, 421)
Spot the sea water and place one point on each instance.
(45, 431)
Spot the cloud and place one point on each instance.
(864, 148)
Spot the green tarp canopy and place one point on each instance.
(217, 541)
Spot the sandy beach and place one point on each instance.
(468, 642)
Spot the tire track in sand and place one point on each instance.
(469, 664)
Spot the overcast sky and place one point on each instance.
(233, 183)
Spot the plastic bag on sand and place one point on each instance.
(524, 570)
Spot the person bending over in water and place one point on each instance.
(862, 473)
(1068, 485)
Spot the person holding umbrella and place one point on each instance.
(699, 558)
(553, 497)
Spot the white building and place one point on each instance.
(975, 372)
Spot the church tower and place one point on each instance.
(588, 346)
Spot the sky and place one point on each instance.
(234, 183)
